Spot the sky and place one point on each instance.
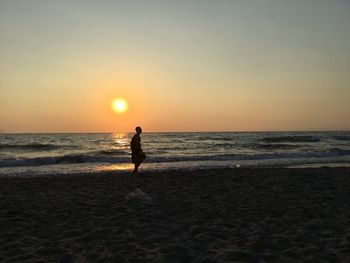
(182, 65)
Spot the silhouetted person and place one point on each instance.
(137, 155)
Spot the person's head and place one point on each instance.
(138, 130)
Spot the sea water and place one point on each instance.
(33, 154)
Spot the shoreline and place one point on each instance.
(112, 169)
(215, 215)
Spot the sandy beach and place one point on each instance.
(237, 215)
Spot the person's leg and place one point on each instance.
(136, 167)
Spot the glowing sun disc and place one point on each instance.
(119, 105)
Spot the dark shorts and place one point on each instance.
(137, 157)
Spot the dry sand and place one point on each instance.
(261, 215)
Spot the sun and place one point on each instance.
(119, 105)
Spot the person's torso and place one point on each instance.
(135, 142)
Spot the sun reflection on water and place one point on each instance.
(115, 167)
(120, 140)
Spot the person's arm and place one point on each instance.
(141, 148)
(138, 144)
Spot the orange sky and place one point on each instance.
(182, 66)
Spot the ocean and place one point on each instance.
(68, 153)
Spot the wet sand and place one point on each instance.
(238, 215)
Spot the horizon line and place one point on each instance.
(223, 131)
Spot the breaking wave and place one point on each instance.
(342, 137)
(274, 139)
(30, 146)
(81, 158)
(276, 146)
